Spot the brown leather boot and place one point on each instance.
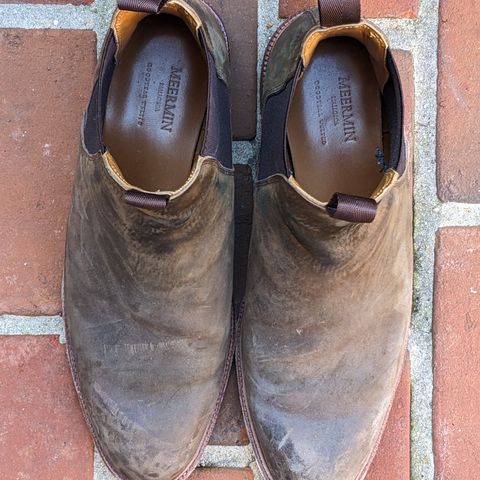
(328, 299)
(148, 270)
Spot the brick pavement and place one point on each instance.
(42, 68)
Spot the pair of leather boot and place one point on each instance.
(149, 257)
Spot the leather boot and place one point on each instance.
(149, 255)
(328, 298)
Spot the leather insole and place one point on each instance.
(156, 104)
(335, 122)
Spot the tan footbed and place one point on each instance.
(334, 125)
(156, 103)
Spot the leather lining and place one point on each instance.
(125, 22)
(388, 181)
(365, 33)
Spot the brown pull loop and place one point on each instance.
(351, 208)
(338, 12)
(144, 6)
(148, 201)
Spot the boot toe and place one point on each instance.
(134, 439)
(326, 449)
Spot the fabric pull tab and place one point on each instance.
(144, 6)
(351, 208)
(149, 201)
(338, 12)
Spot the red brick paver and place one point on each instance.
(393, 455)
(44, 85)
(458, 144)
(222, 474)
(456, 337)
(240, 22)
(42, 432)
(370, 8)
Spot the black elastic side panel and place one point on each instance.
(90, 124)
(218, 131)
(393, 111)
(271, 159)
(95, 113)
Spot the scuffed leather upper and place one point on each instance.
(148, 294)
(283, 59)
(148, 324)
(215, 37)
(327, 308)
(324, 330)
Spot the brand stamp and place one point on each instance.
(171, 98)
(319, 101)
(346, 108)
(143, 96)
